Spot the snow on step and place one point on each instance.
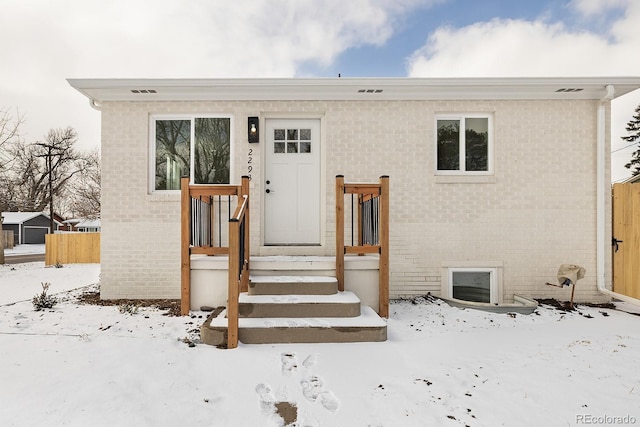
(292, 285)
(292, 279)
(368, 319)
(367, 327)
(299, 304)
(338, 298)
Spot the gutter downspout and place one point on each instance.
(94, 104)
(600, 201)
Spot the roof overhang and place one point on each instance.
(13, 218)
(105, 90)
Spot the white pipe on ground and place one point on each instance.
(600, 201)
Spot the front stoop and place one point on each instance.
(298, 315)
(292, 285)
(340, 304)
(368, 327)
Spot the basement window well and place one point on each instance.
(473, 284)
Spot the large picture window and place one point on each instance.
(198, 147)
(463, 144)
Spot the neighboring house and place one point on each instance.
(88, 226)
(28, 227)
(494, 182)
(64, 225)
(83, 225)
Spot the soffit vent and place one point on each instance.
(369, 90)
(570, 89)
(143, 91)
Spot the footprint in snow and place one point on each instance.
(329, 401)
(311, 388)
(267, 399)
(289, 363)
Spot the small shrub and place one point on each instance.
(128, 308)
(43, 301)
(58, 265)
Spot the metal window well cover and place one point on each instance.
(520, 305)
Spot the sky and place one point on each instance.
(46, 42)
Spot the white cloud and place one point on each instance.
(45, 42)
(525, 48)
(539, 48)
(593, 7)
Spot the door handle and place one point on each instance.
(267, 191)
(614, 243)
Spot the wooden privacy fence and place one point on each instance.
(72, 248)
(626, 239)
(7, 237)
(369, 229)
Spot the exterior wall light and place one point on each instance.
(253, 129)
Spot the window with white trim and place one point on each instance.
(464, 144)
(198, 147)
(474, 284)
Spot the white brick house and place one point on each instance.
(524, 189)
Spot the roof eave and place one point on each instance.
(105, 90)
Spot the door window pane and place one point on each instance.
(305, 146)
(294, 141)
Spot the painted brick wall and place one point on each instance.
(536, 212)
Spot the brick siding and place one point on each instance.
(536, 212)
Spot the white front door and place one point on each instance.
(292, 182)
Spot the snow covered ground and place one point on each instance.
(25, 250)
(85, 365)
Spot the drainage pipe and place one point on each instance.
(600, 201)
(95, 105)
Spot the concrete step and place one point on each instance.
(292, 285)
(367, 327)
(341, 304)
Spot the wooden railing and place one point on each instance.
(203, 225)
(238, 266)
(370, 202)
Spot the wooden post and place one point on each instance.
(340, 231)
(185, 256)
(360, 231)
(573, 289)
(244, 191)
(232, 297)
(383, 266)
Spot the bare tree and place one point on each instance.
(9, 133)
(42, 172)
(84, 200)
